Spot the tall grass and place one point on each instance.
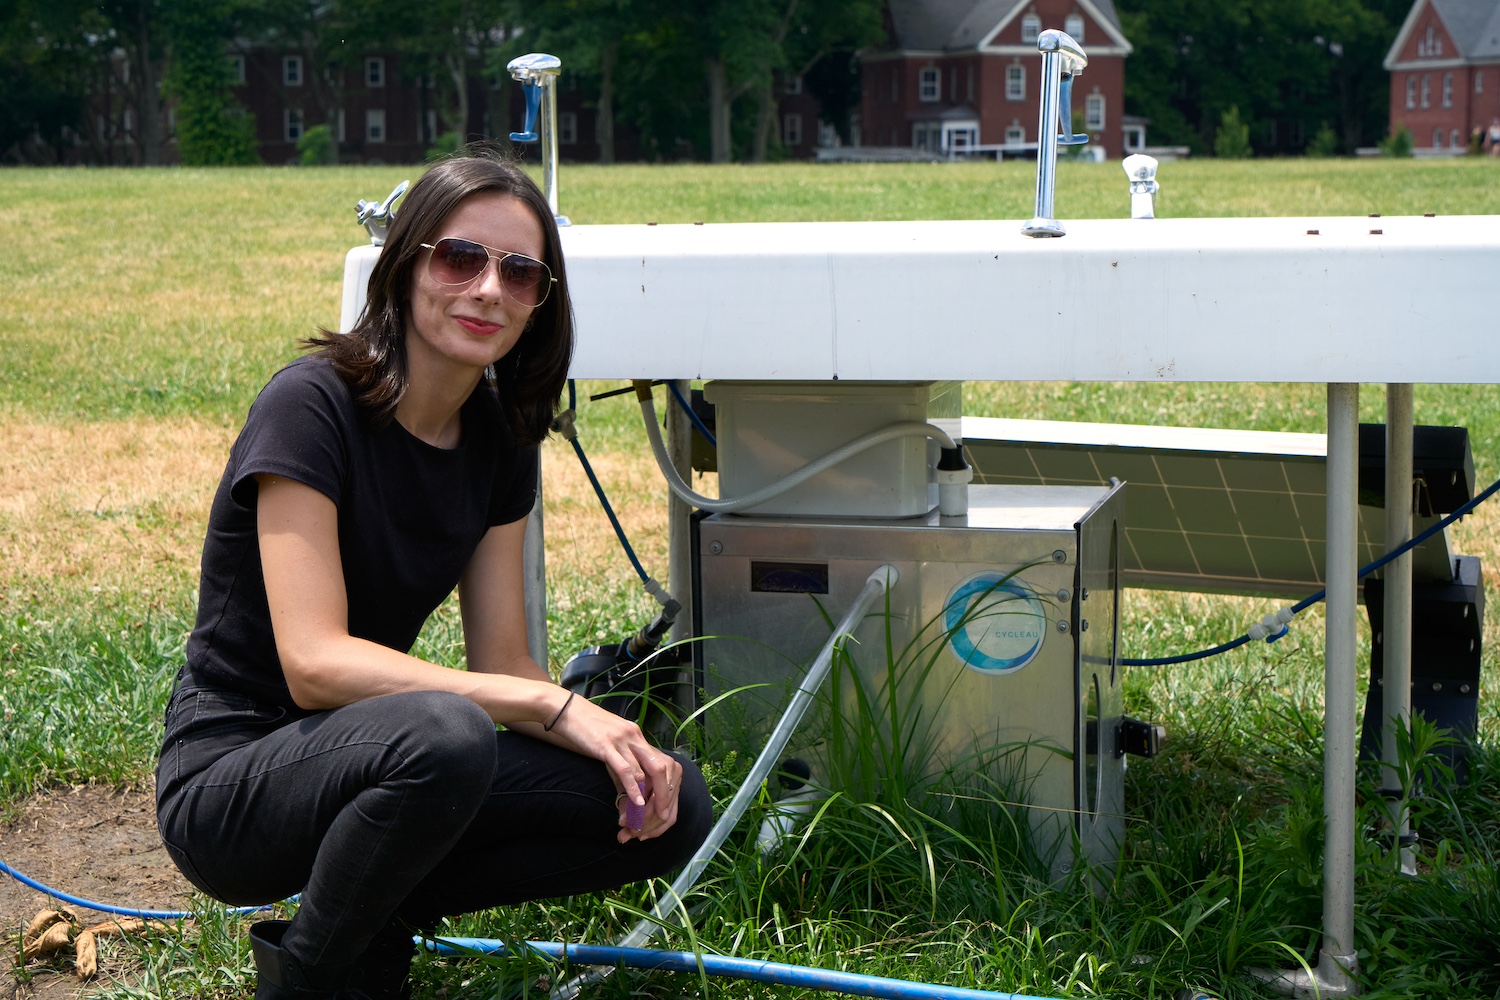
(169, 296)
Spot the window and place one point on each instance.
(1015, 135)
(970, 83)
(375, 72)
(926, 136)
(794, 85)
(1426, 91)
(237, 70)
(1479, 81)
(1093, 113)
(929, 84)
(1411, 92)
(1073, 25)
(962, 138)
(791, 129)
(1447, 90)
(1455, 140)
(1431, 46)
(429, 125)
(291, 124)
(291, 71)
(1031, 26)
(1015, 82)
(342, 131)
(375, 125)
(1437, 138)
(567, 128)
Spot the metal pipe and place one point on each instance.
(668, 906)
(679, 518)
(1062, 59)
(1336, 958)
(1397, 637)
(534, 578)
(1141, 169)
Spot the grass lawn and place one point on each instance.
(143, 310)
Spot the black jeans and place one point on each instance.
(399, 810)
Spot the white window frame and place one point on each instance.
(567, 128)
(960, 138)
(1031, 27)
(237, 70)
(927, 136)
(375, 130)
(793, 85)
(1411, 92)
(1094, 113)
(1426, 91)
(374, 71)
(1479, 81)
(791, 129)
(1447, 90)
(293, 126)
(1455, 139)
(1073, 26)
(1437, 138)
(929, 84)
(1015, 135)
(291, 71)
(1015, 82)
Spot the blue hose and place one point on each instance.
(636, 958)
(123, 911)
(692, 415)
(728, 967)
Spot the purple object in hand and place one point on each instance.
(635, 816)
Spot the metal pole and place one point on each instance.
(534, 573)
(1336, 958)
(1396, 640)
(679, 516)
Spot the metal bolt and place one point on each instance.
(1083, 625)
(716, 547)
(1062, 626)
(1059, 556)
(1437, 685)
(1062, 595)
(1083, 593)
(1463, 689)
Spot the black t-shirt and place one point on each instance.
(409, 516)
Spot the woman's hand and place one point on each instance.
(644, 775)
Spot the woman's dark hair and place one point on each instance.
(371, 358)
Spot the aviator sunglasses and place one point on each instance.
(457, 261)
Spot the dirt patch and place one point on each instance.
(92, 842)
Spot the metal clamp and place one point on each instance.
(537, 73)
(377, 217)
(1062, 60)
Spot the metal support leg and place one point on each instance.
(679, 524)
(1336, 958)
(1397, 626)
(534, 572)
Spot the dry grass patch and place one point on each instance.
(119, 503)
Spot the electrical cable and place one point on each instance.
(1274, 625)
(692, 415)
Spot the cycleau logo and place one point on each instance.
(995, 623)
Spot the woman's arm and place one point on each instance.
(492, 598)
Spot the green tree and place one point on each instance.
(212, 129)
(1232, 140)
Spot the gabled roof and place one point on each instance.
(957, 25)
(1474, 26)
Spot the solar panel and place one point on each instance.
(1205, 510)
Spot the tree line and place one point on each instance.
(90, 80)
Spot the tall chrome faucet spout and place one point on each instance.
(537, 73)
(1062, 60)
(1141, 169)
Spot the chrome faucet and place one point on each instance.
(537, 73)
(377, 217)
(1141, 169)
(1062, 60)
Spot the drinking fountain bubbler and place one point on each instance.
(1062, 60)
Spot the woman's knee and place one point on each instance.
(443, 736)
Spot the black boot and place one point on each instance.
(381, 973)
(282, 977)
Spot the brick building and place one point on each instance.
(1445, 72)
(960, 74)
